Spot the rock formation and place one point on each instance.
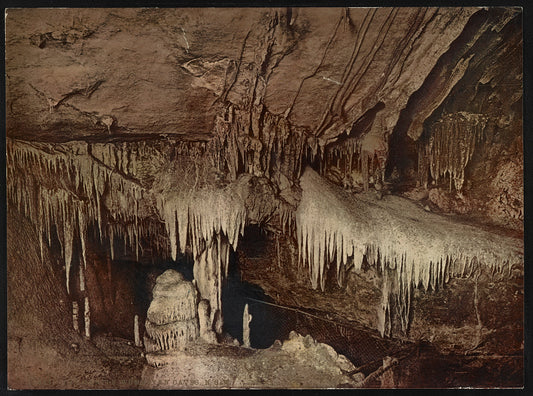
(172, 318)
(246, 319)
(206, 324)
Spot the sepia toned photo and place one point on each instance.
(264, 198)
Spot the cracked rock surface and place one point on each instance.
(75, 73)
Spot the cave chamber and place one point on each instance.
(264, 198)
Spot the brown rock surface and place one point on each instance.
(161, 70)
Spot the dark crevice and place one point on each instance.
(419, 99)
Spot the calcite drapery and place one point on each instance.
(422, 249)
(448, 145)
(111, 187)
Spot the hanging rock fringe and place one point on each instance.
(421, 248)
(74, 185)
(257, 142)
(448, 146)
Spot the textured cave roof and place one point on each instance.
(71, 72)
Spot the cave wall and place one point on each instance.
(492, 87)
(42, 349)
(25, 269)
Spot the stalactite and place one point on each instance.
(83, 237)
(209, 269)
(68, 233)
(205, 213)
(210, 221)
(75, 185)
(68, 186)
(356, 162)
(384, 324)
(448, 145)
(268, 146)
(423, 249)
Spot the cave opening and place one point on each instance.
(120, 288)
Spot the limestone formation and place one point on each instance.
(206, 325)
(136, 334)
(172, 318)
(246, 319)
(421, 248)
(306, 347)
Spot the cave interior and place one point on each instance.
(264, 198)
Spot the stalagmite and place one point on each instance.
(217, 320)
(87, 315)
(206, 325)
(83, 236)
(246, 319)
(421, 248)
(388, 377)
(172, 318)
(75, 313)
(136, 335)
(82, 278)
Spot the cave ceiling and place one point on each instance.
(70, 73)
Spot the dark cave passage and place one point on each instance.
(268, 322)
(121, 288)
(117, 289)
(273, 321)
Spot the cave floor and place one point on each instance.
(107, 362)
(103, 362)
(298, 363)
